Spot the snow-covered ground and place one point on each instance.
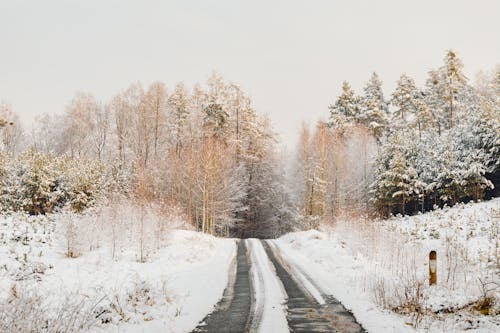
(131, 276)
(177, 285)
(379, 270)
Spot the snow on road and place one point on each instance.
(269, 293)
(336, 275)
(306, 282)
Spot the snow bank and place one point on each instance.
(172, 291)
(378, 269)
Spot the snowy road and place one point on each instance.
(268, 294)
(233, 312)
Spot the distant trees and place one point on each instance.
(205, 150)
(434, 152)
(428, 146)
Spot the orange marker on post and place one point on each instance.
(432, 268)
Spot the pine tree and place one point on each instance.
(396, 181)
(454, 81)
(403, 98)
(346, 108)
(374, 108)
(447, 91)
(424, 117)
(411, 107)
(434, 96)
(216, 120)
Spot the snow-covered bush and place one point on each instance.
(40, 183)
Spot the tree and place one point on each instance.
(216, 120)
(396, 178)
(423, 115)
(121, 117)
(346, 108)
(77, 124)
(374, 109)
(141, 126)
(156, 102)
(446, 90)
(100, 123)
(178, 106)
(411, 108)
(403, 98)
(11, 128)
(453, 79)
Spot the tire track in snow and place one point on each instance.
(257, 282)
(310, 310)
(301, 276)
(233, 312)
(306, 279)
(270, 312)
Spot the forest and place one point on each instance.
(207, 154)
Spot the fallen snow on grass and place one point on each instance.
(178, 283)
(379, 269)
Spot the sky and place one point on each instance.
(289, 56)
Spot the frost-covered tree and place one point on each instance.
(403, 99)
(411, 108)
(100, 130)
(12, 133)
(178, 113)
(346, 108)
(77, 125)
(156, 103)
(396, 181)
(374, 110)
(454, 81)
(447, 91)
(216, 120)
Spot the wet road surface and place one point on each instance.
(233, 313)
(305, 314)
(237, 311)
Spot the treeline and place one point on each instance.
(423, 146)
(205, 149)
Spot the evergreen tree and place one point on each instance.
(411, 108)
(434, 97)
(346, 108)
(216, 120)
(404, 99)
(374, 109)
(454, 81)
(447, 91)
(424, 118)
(396, 181)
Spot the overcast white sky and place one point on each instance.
(290, 56)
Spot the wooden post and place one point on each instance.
(432, 268)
